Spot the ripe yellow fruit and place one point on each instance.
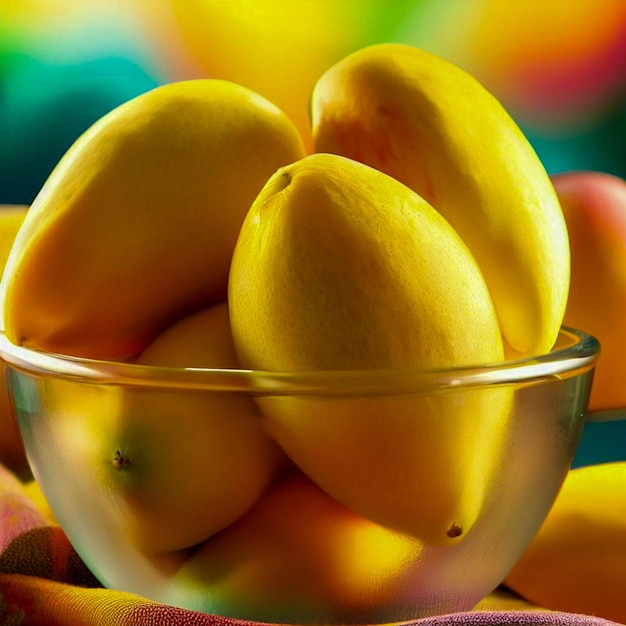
(433, 127)
(341, 267)
(136, 225)
(576, 561)
(11, 450)
(299, 555)
(179, 466)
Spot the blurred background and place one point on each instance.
(558, 66)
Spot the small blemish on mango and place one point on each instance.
(456, 530)
(120, 461)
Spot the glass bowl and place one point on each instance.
(141, 471)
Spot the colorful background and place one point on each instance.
(559, 66)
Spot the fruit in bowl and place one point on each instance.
(297, 555)
(335, 269)
(435, 128)
(284, 387)
(133, 445)
(136, 225)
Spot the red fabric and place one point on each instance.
(43, 581)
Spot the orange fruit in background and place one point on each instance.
(594, 205)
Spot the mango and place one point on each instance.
(340, 267)
(180, 465)
(435, 128)
(136, 225)
(594, 206)
(298, 556)
(575, 563)
(11, 449)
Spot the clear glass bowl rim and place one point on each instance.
(575, 353)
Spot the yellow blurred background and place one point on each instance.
(559, 66)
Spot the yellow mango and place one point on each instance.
(136, 225)
(300, 556)
(11, 449)
(341, 267)
(576, 562)
(435, 128)
(180, 466)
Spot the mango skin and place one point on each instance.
(299, 556)
(11, 449)
(575, 563)
(340, 267)
(179, 466)
(594, 205)
(137, 223)
(432, 126)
